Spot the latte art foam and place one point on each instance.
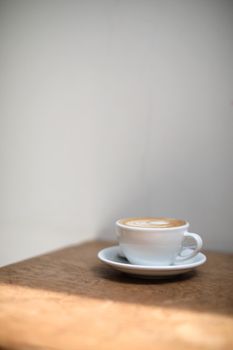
(151, 222)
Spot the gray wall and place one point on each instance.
(109, 109)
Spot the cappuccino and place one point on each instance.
(151, 222)
(156, 241)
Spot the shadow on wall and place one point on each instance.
(76, 271)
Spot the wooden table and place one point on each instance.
(69, 300)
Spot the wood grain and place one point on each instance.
(69, 300)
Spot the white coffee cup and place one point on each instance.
(156, 241)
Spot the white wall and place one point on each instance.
(109, 109)
(190, 164)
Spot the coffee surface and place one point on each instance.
(151, 222)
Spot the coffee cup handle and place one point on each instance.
(194, 252)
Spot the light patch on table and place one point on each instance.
(86, 322)
(196, 335)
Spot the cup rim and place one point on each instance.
(135, 228)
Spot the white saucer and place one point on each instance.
(111, 256)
